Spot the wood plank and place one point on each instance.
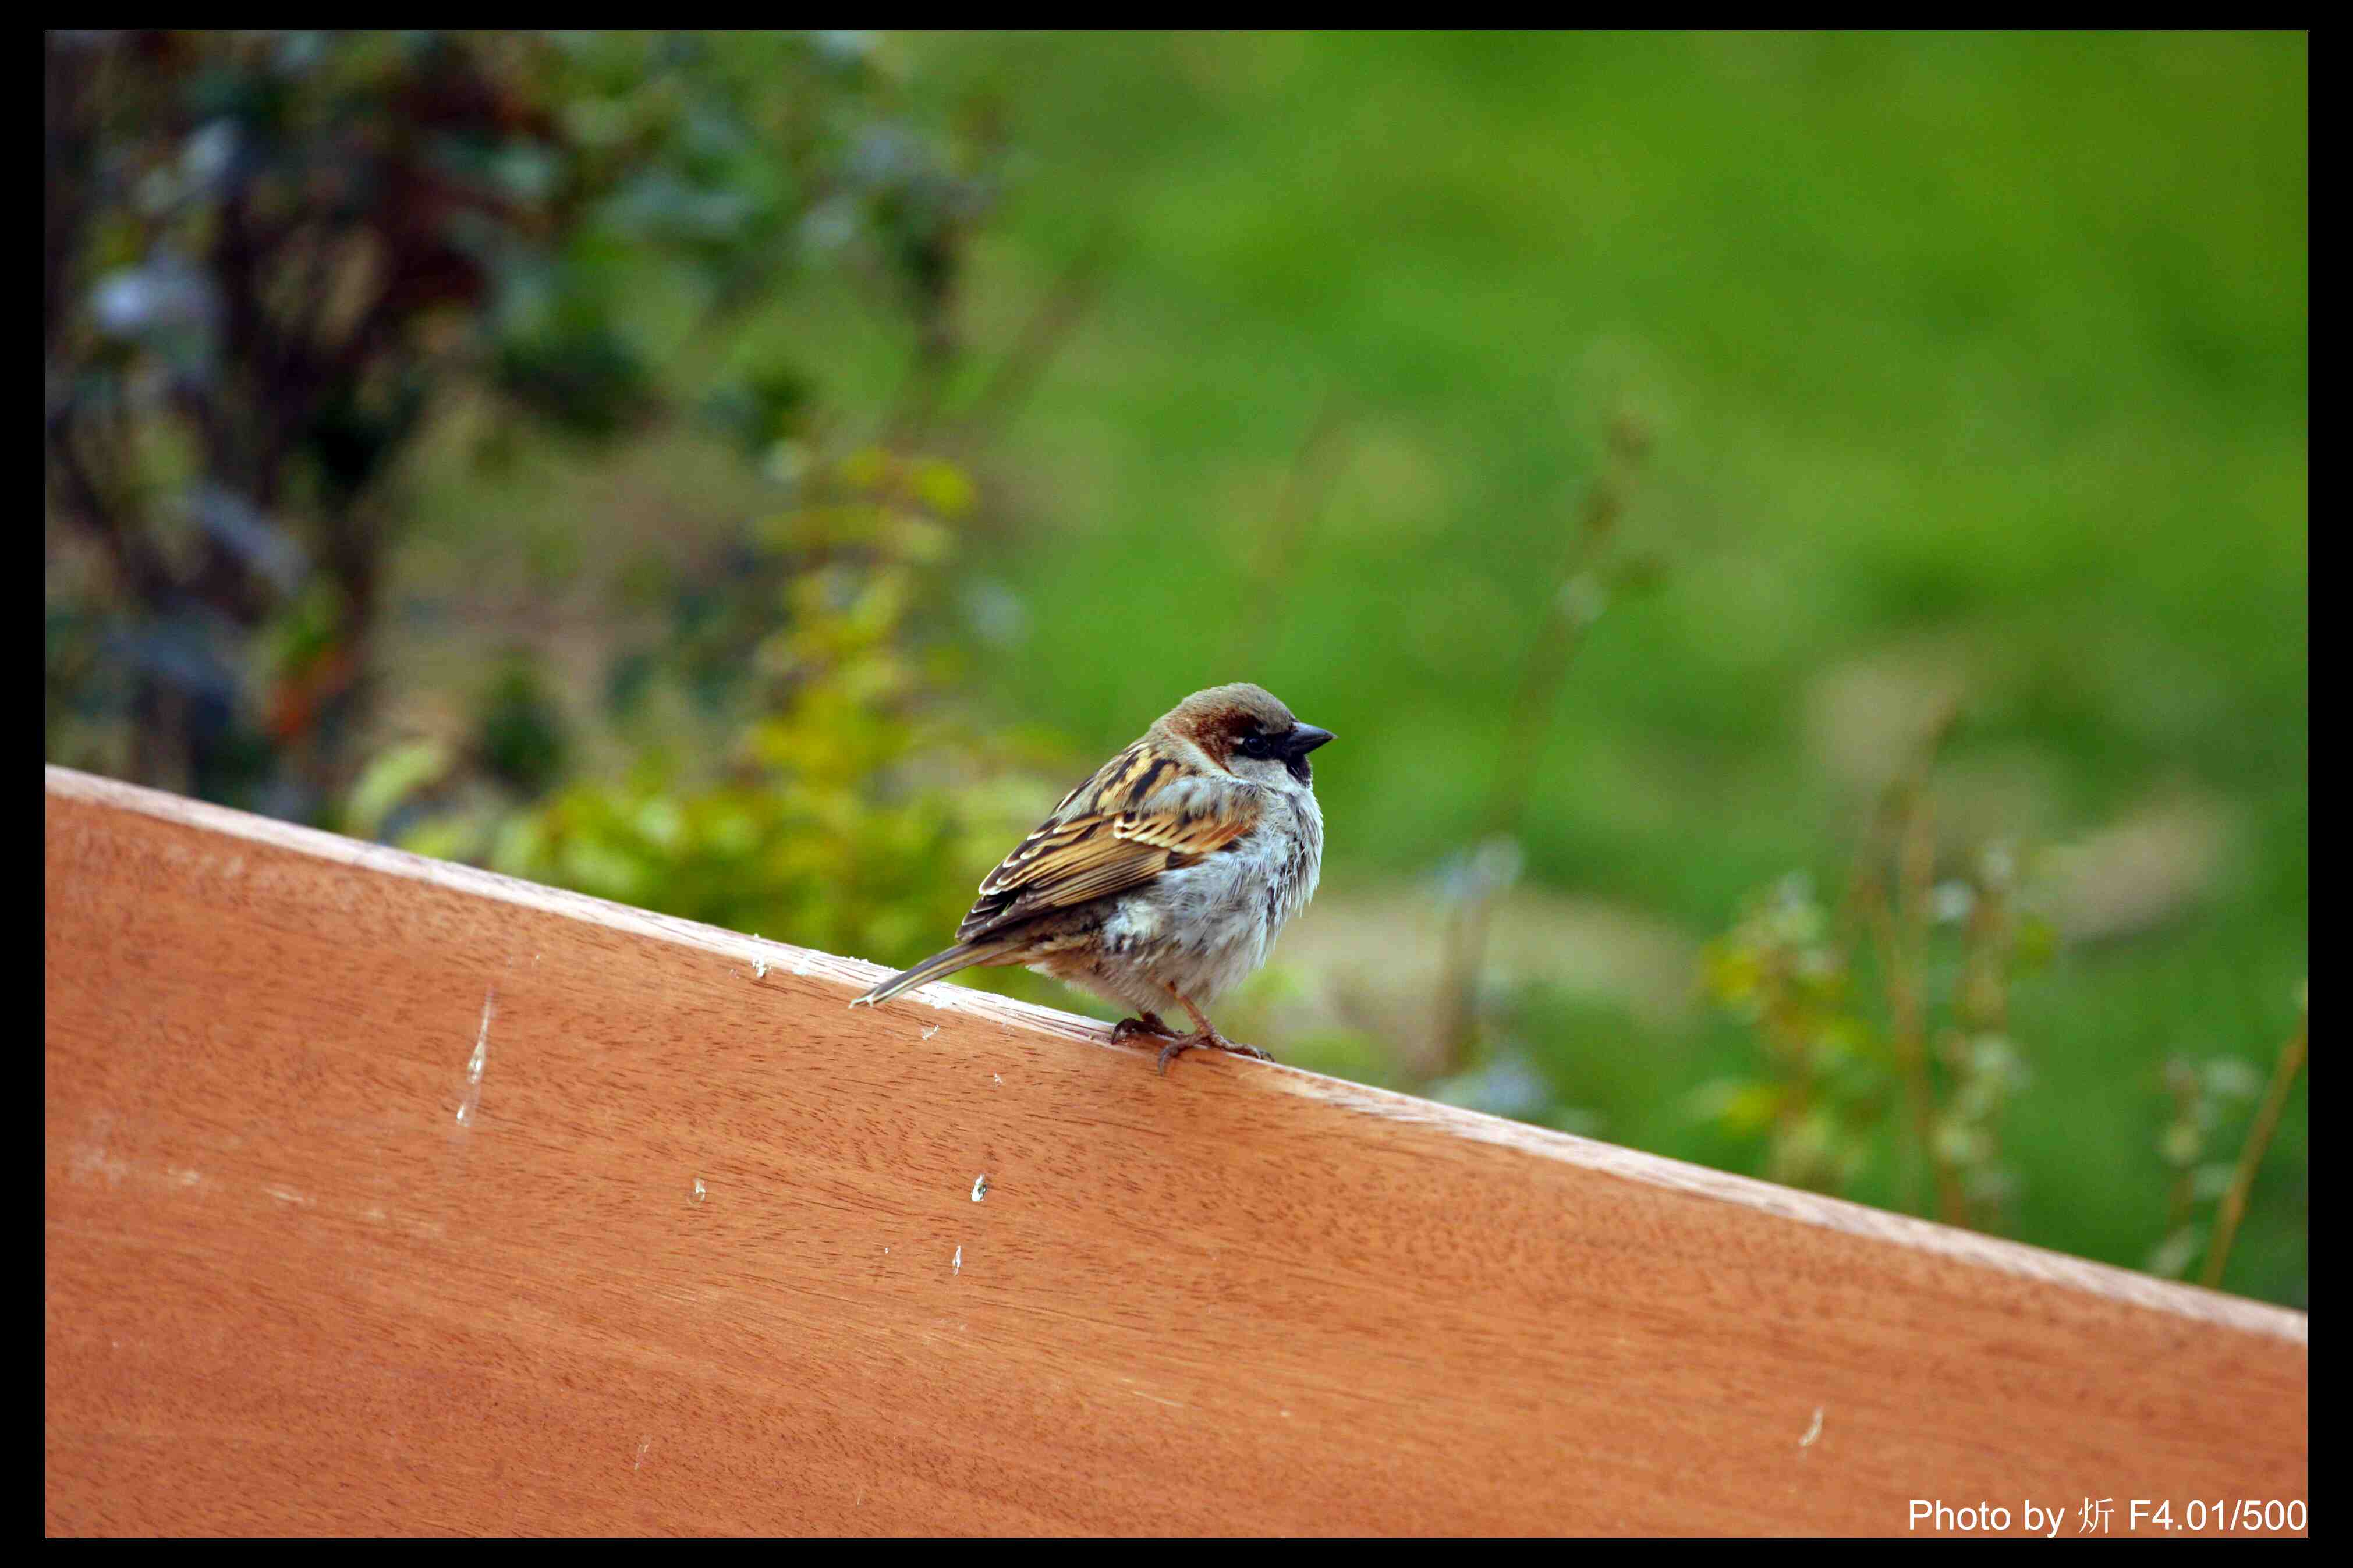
(697, 1250)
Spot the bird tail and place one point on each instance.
(939, 966)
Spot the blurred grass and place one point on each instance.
(1976, 359)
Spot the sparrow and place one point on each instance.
(1165, 877)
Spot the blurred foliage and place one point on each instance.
(2207, 1096)
(273, 259)
(848, 808)
(2210, 1103)
(1933, 1049)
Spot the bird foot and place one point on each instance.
(1127, 1029)
(1207, 1040)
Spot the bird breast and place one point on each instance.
(1206, 928)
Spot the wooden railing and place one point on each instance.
(383, 1195)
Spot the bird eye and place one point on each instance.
(1257, 745)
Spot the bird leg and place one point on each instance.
(1204, 1036)
(1127, 1029)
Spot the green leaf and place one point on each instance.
(389, 780)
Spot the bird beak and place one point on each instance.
(1303, 739)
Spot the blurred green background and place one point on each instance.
(1802, 538)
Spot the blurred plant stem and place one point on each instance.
(1322, 454)
(2234, 1207)
(1588, 575)
(1002, 397)
(1899, 930)
(1579, 602)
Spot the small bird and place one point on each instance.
(1165, 877)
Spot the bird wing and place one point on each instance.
(1145, 811)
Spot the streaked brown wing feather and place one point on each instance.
(1114, 832)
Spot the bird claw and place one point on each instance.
(1210, 1040)
(1127, 1029)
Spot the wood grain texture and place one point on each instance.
(703, 1255)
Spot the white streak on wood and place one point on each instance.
(472, 1098)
